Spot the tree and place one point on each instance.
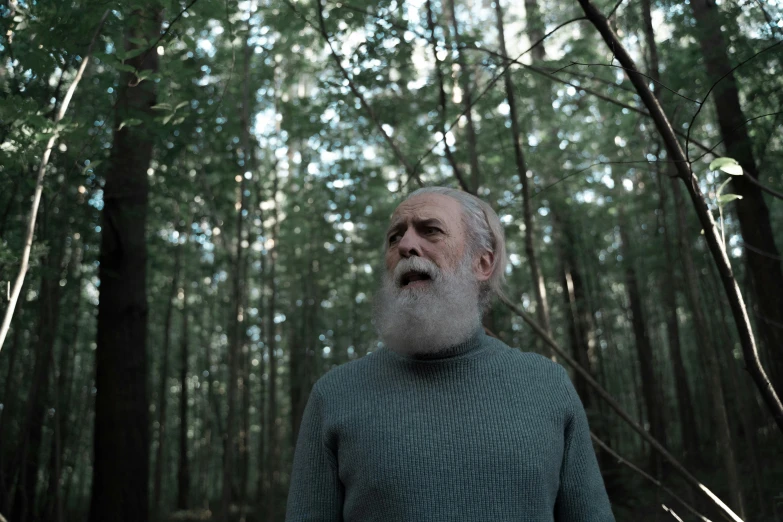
(121, 440)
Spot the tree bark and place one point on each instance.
(539, 289)
(467, 103)
(237, 334)
(163, 385)
(183, 471)
(676, 154)
(121, 437)
(30, 437)
(272, 429)
(650, 386)
(752, 211)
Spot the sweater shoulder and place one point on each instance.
(347, 374)
(528, 361)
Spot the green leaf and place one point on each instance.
(134, 52)
(161, 107)
(725, 198)
(181, 104)
(130, 122)
(125, 67)
(734, 170)
(727, 165)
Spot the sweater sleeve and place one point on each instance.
(316, 493)
(582, 496)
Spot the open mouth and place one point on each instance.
(413, 277)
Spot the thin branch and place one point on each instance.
(497, 77)
(635, 72)
(648, 477)
(442, 98)
(321, 28)
(719, 255)
(761, 252)
(595, 165)
(613, 404)
(545, 74)
(715, 84)
(9, 312)
(617, 5)
(154, 46)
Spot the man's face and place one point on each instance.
(429, 294)
(428, 226)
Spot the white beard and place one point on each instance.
(430, 318)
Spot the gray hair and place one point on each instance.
(484, 233)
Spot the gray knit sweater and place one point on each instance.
(480, 432)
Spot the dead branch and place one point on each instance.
(676, 153)
(617, 408)
(648, 477)
(28, 245)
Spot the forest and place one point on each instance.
(194, 193)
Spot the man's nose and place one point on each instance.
(409, 244)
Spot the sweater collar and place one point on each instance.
(471, 344)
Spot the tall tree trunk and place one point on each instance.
(237, 335)
(121, 437)
(708, 351)
(30, 437)
(272, 437)
(669, 284)
(690, 438)
(6, 479)
(752, 211)
(581, 330)
(160, 454)
(54, 507)
(536, 29)
(183, 471)
(650, 385)
(467, 103)
(539, 289)
(244, 432)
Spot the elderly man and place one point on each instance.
(444, 422)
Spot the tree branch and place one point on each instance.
(715, 84)
(648, 477)
(410, 169)
(613, 404)
(442, 98)
(676, 153)
(28, 245)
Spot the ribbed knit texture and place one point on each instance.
(481, 432)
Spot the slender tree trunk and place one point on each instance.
(467, 104)
(539, 289)
(752, 211)
(30, 437)
(237, 336)
(6, 479)
(183, 471)
(536, 29)
(121, 437)
(708, 351)
(54, 506)
(160, 454)
(650, 385)
(272, 437)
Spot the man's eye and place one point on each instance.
(431, 230)
(393, 238)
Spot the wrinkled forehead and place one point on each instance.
(426, 207)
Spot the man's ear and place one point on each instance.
(484, 266)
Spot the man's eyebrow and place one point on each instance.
(397, 225)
